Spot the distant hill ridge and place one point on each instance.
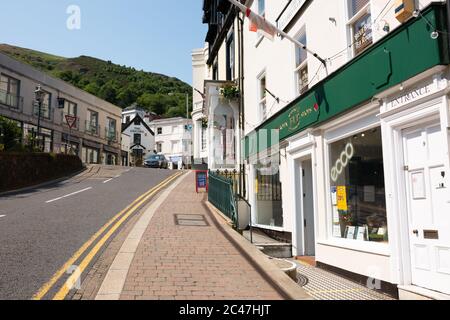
(120, 85)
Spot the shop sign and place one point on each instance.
(289, 13)
(342, 204)
(299, 117)
(410, 96)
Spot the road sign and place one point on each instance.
(71, 121)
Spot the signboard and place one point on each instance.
(71, 121)
(201, 180)
(342, 198)
(289, 13)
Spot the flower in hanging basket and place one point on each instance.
(230, 91)
(204, 122)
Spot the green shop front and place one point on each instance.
(361, 164)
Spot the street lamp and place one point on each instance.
(39, 96)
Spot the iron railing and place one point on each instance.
(11, 100)
(236, 177)
(221, 195)
(92, 128)
(111, 135)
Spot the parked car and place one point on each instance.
(156, 161)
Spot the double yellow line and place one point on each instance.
(115, 222)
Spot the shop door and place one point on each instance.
(308, 209)
(428, 192)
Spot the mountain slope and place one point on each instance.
(114, 83)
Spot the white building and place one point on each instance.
(173, 139)
(142, 137)
(350, 159)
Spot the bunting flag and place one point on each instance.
(257, 23)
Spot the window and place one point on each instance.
(111, 129)
(262, 98)
(70, 108)
(360, 25)
(215, 70)
(204, 133)
(262, 8)
(301, 64)
(137, 121)
(44, 106)
(159, 147)
(9, 91)
(230, 57)
(127, 119)
(268, 190)
(160, 130)
(137, 139)
(92, 123)
(357, 188)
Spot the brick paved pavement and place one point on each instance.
(191, 262)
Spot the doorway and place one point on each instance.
(428, 199)
(305, 213)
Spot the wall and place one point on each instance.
(19, 170)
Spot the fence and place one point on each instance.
(221, 195)
(237, 178)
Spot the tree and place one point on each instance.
(10, 134)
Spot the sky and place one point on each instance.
(152, 35)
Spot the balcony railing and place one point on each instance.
(111, 135)
(92, 129)
(10, 100)
(46, 112)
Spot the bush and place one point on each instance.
(10, 134)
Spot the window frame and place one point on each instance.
(262, 97)
(350, 22)
(302, 65)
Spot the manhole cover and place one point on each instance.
(302, 280)
(191, 220)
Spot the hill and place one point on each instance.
(120, 85)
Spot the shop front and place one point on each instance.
(90, 152)
(110, 156)
(366, 162)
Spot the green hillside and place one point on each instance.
(114, 83)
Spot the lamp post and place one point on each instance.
(39, 95)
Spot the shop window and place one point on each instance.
(262, 98)
(357, 188)
(360, 25)
(268, 190)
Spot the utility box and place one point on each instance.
(404, 9)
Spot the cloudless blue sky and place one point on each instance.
(153, 35)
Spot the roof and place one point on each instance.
(126, 126)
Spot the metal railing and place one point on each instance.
(236, 177)
(221, 195)
(92, 129)
(10, 100)
(46, 112)
(111, 135)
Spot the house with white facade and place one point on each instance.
(347, 144)
(173, 139)
(142, 137)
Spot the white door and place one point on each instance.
(428, 186)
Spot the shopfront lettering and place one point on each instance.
(410, 97)
(342, 162)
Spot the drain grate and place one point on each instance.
(191, 220)
(302, 280)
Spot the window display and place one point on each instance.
(357, 188)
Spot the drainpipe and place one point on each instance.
(448, 24)
(242, 103)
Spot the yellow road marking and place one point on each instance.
(47, 286)
(62, 293)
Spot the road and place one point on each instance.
(41, 229)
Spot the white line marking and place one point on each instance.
(118, 176)
(107, 180)
(69, 195)
(2, 216)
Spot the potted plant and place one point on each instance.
(204, 122)
(230, 91)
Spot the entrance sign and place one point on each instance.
(201, 180)
(71, 121)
